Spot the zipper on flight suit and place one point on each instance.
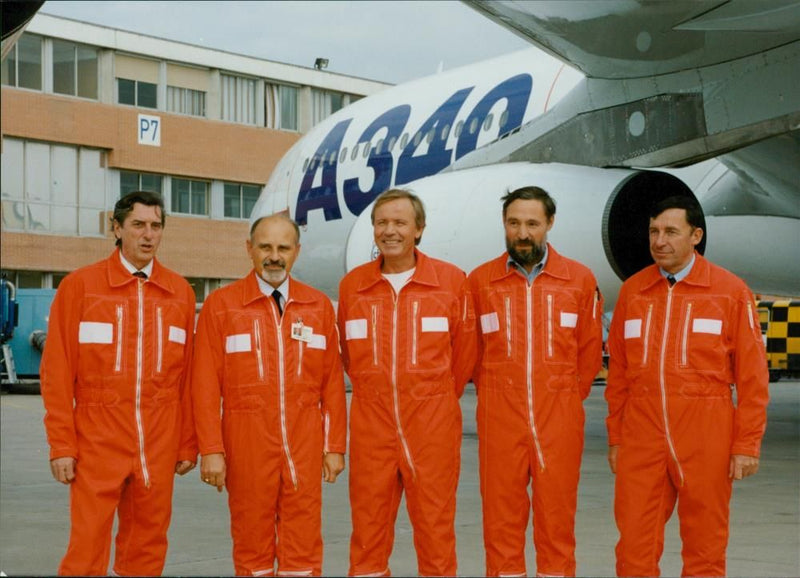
(685, 337)
(375, 335)
(282, 396)
(508, 326)
(663, 385)
(139, 371)
(646, 343)
(529, 372)
(299, 352)
(550, 326)
(395, 394)
(159, 338)
(118, 360)
(415, 311)
(259, 353)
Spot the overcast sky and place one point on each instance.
(388, 41)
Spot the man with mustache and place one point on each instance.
(118, 414)
(268, 346)
(540, 349)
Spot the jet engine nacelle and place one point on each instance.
(601, 216)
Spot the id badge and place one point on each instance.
(301, 332)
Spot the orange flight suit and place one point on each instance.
(541, 348)
(675, 355)
(283, 406)
(409, 357)
(112, 377)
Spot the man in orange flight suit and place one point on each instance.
(684, 332)
(118, 415)
(408, 344)
(541, 347)
(268, 346)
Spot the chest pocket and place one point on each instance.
(497, 312)
(306, 346)
(364, 336)
(102, 338)
(168, 341)
(561, 315)
(427, 334)
(246, 350)
(640, 333)
(701, 336)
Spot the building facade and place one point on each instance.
(90, 113)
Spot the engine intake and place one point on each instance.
(626, 219)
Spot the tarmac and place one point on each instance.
(765, 509)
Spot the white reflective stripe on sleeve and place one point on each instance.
(318, 342)
(177, 335)
(434, 324)
(94, 332)
(569, 319)
(355, 329)
(490, 322)
(713, 326)
(633, 328)
(238, 343)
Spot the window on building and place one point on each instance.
(52, 188)
(280, 103)
(203, 286)
(131, 181)
(199, 286)
(337, 101)
(23, 65)
(23, 279)
(189, 197)
(325, 102)
(240, 200)
(186, 101)
(238, 99)
(74, 69)
(289, 107)
(137, 93)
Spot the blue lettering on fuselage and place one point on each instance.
(380, 158)
(326, 160)
(434, 132)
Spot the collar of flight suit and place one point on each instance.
(700, 275)
(555, 266)
(424, 272)
(252, 292)
(118, 275)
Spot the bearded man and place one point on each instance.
(267, 346)
(539, 351)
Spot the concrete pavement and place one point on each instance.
(765, 526)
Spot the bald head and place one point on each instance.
(273, 246)
(277, 217)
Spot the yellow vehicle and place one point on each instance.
(780, 326)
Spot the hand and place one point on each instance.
(63, 469)
(332, 466)
(742, 466)
(212, 470)
(612, 458)
(184, 466)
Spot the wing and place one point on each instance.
(631, 39)
(667, 83)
